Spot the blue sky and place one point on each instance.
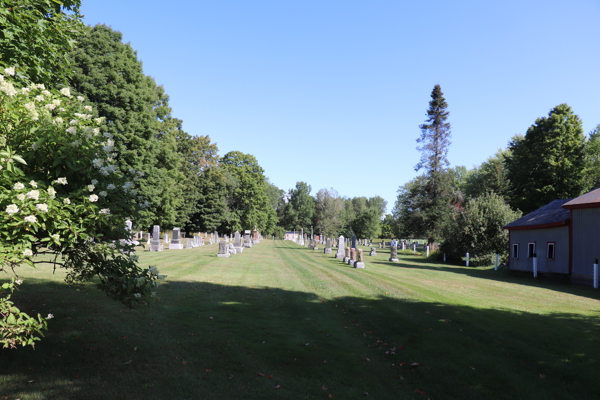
(333, 92)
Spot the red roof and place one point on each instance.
(588, 200)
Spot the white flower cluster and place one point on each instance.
(6, 86)
(61, 181)
(12, 209)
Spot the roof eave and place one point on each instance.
(542, 226)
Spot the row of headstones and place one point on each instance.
(227, 249)
(176, 241)
(350, 255)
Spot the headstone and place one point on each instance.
(156, 246)
(165, 238)
(327, 246)
(247, 240)
(237, 242)
(346, 254)
(394, 254)
(352, 259)
(360, 259)
(373, 252)
(353, 241)
(176, 242)
(231, 248)
(340, 248)
(223, 249)
(383, 244)
(190, 244)
(315, 247)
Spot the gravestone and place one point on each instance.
(176, 242)
(353, 241)
(327, 246)
(231, 248)
(223, 249)
(315, 247)
(165, 238)
(190, 244)
(360, 259)
(340, 248)
(394, 254)
(226, 239)
(381, 245)
(156, 246)
(301, 237)
(237, 242)
(247, 240)
(346, 254)
(352, 259)
(373, 252)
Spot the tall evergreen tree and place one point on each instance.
(548, 164)
(435, 141)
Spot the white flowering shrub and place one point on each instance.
(62, 195)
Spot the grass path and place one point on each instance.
(281, 321)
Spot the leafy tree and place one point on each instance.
(211, 210)
(248, 202)
(329, 207)
(435, 141)
(66, 200)
(36, 36)
(300, 208)
(197, 155)
(490, 176)
(409, 212)
(138, 116)
(477, 229)
(387, 227)
(592, 160)
(548, 164)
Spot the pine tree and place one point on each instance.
(435, 141)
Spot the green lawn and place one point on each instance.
(283, 322)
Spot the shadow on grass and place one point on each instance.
(211, 341)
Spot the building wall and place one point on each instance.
(586, 242)
(541, 237)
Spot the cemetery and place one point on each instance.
(387, 329)
(147, 258)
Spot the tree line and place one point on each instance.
(464, 210)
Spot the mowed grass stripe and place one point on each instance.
(316, 326)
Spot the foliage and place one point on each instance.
(300, 209)
(137, 113)
(490, 176)
(18, 328)
(197, 155)
(36, 36)
(548, 164)
(74, 201)
(367, 216)
(329, 207)
(435, 141)
(478, 229)
(592, 160)
(248, 203)
(387, 227)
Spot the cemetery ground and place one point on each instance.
(280, 321)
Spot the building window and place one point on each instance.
(515, 251)
(531, 250)
(551, 250)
